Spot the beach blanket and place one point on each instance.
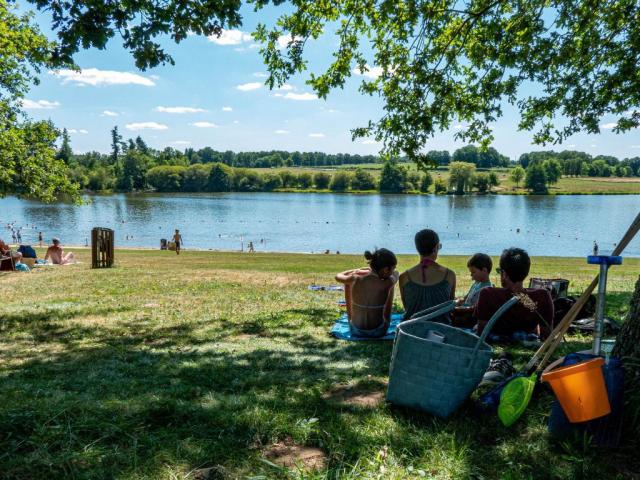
(342, 331)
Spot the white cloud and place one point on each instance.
(281, 132)
(571, 145)
(635, 146)
(278, 95)
(368, 141)
(236, 122)
(459, 126)
(230, 37)
(317, 135)
(146, 126)
(39, 104)
(370, 72)
(82, 130)
(284, 40)
(227, 109)
(203, 125)
(95, 77)
(245, 87)
(260, 75)
(73, 130)
(300, 96)
(593, 145)
(109, 113)
(179, 110)
(181, 142)
(286, 87)
(608, 126)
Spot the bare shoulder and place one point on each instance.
(450, 273)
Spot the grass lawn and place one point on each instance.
(165, 365)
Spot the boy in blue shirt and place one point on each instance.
(479, 266)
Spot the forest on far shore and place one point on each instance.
(133, 166)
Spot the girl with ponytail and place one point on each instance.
(369, 293)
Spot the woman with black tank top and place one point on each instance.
(427, 284)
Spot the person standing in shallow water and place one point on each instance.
(177, 238)
(428, 283)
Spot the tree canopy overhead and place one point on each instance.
(436, 62)
(564, 64)
(27, 149)
(91, 24)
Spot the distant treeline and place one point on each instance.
(129, 166)
(580, 164)
(276, 158)
(218, 177)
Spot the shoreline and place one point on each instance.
(134, 249)
(370, 192)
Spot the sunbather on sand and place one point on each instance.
(369, 293)
(56, 254)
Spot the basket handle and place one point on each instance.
(433, 312)
(492, 321)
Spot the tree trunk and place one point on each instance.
(628, 341)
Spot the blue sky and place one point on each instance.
(214, 96)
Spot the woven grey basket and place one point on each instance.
(438, 377)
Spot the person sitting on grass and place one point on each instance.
(532, 316)
(479, 266)
(5, 250)
(427, 284)
(369, 293)
(56, 254)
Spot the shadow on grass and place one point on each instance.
(142, 397)
(150, 401)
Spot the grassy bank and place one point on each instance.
(565, 186)
(165, 365)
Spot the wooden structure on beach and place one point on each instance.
(102, 241)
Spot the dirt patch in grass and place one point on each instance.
(289, 454)
(242, 277)
(362, 395)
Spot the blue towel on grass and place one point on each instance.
(341, 329)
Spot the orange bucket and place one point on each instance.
(580, 389)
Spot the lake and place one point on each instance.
(307, 222)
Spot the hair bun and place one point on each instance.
(368, 255)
